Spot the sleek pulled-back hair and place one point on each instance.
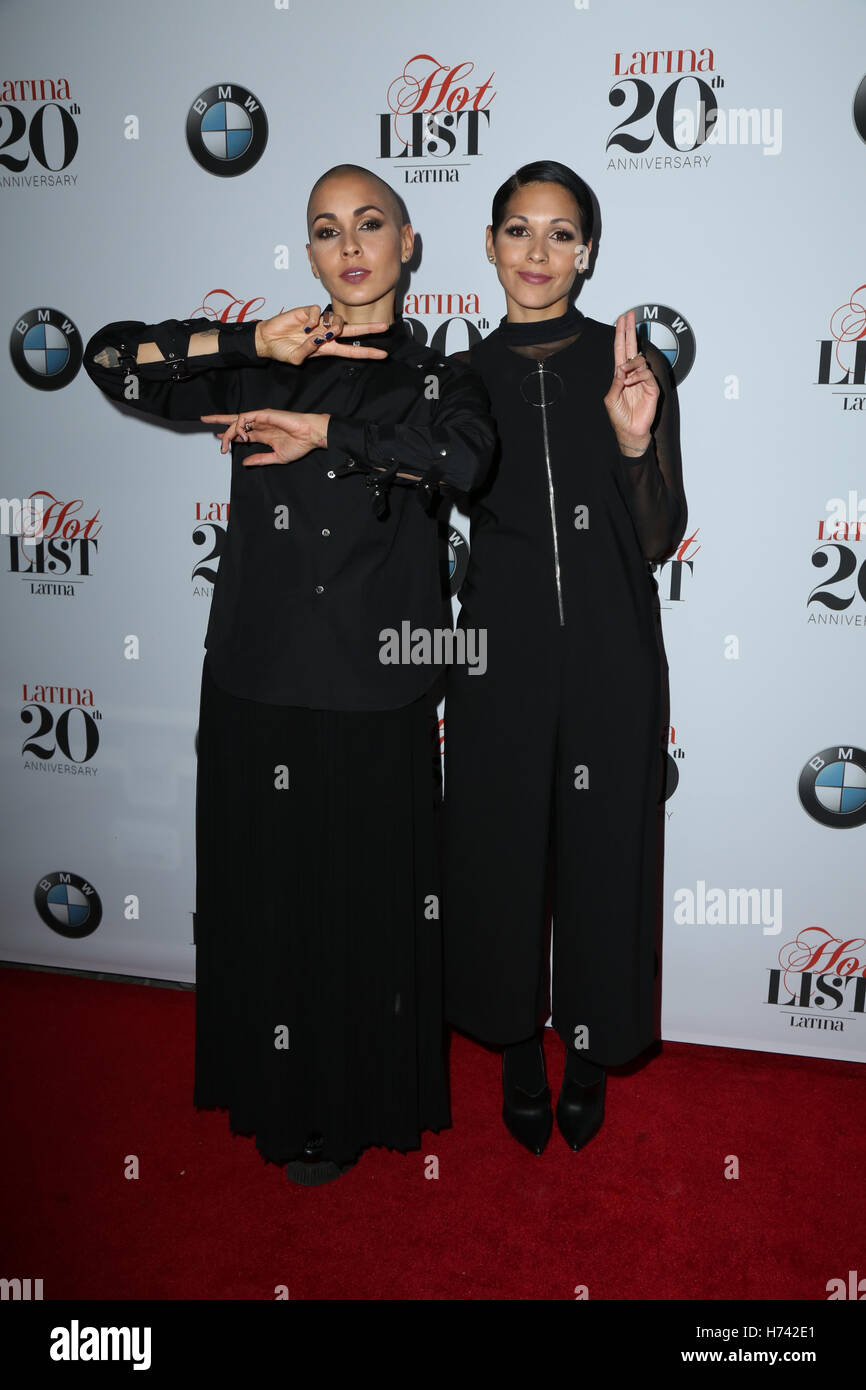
(545, 171)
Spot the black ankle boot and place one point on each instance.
(580, 1109)
(527, 1116)
(310, 1169)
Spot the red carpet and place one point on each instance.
(96, 1071)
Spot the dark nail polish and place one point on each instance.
(318, 340)
(308, 330)
(328, 335)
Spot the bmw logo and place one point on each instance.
(226, 130)
(46, 349)
(670, 333)
(832, 787)
(860, 109)
(672, 777)
(68, 904)
(458, 559)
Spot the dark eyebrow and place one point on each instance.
(552, 220)
(369, 207)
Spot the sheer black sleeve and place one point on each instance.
(656, 477)
(180, 387)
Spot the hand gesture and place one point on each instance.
(289, 433)
(301, 333)
(633, 396)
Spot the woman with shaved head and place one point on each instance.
(318, 949)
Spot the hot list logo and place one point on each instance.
(842, 356)
(839, 598)
(224, 307)
(209, 534)
(40, 134)
(54, 562)
(675, 575)
(437, 117)
(459, 325)
(820, 975)
(62, 729)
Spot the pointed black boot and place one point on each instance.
(528, 1116)
(580, 1110)
(311, 1169)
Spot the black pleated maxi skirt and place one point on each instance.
(318, 941)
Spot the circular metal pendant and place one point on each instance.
(551, 382)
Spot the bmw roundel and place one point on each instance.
(458, 558)
(46, 349)
(68, 904)
(667, 330)
(859, 109)
(226, 130)
(832, 787)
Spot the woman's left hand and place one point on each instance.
(633, 396)
(289, 433)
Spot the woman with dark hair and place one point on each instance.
(318, 948)
(554, 760)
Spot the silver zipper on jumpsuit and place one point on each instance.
(551, 495)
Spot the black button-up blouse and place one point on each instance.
(324, 555)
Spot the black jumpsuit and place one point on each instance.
(554, 756)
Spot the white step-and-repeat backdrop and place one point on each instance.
(155, 162)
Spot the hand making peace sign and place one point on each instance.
(633, 396)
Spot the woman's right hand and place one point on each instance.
(306, 332)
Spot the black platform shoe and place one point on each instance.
(311, 1170)
(528, 1118)
(580, 1111)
